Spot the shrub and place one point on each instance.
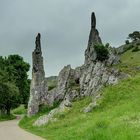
(102, 52)
(136, 49)
(50, 87)
(127, 42)
(134, 36)
(19, 110)
(107, 45)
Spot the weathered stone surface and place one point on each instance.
(45, 119)
(94, 39)
(93, 20)
(66, 91)
(58, 94)
(63, 80)
(67, 79)
(96, 76)
(86, 80)
(38, 88)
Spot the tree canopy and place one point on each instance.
(14, 82)
(134, 36)
(9, 94)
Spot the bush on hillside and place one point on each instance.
(136, 49)
(134, 36)
(127, 42)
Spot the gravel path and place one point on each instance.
(9, 130)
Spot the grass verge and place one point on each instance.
(116, 118)
(19, 110)
(7, 117)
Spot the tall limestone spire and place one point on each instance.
(94, 39)
(37, 58)
(38, 88)
(93, 20)
(38, 43)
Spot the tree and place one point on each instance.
(134, 36)
(16, 69)
(9, 94)
(20, 69)
(127, 42)
(102, 52)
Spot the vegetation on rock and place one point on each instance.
(102, 52)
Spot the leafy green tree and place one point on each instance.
(102, 52)
(9, 93)
(19, 73)
(134, 36)
(16, 69)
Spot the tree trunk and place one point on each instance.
(8, 111)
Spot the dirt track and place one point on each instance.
(9, 130)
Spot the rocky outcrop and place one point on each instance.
(45, 119)
(94, 39)
(96, 74)
(67, 86)
(67, 90)
(38, 88)
(86, 80)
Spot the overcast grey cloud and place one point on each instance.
(64, 26)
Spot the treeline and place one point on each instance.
(14, 83)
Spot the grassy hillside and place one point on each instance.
(116, 118)
(7, 118)
(131, 58)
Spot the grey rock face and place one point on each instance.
(66, 79)
(93, 20)
(96, 76)
(59, 92)
(45, 119)
(94, 39)
(38, 88)
(86, 80)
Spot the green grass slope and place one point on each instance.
(116, 118)
(19, 110)
(7, 117)
(131, 58)
(130, 61)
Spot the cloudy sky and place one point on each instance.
(64, 26)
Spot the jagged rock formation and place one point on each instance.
(96, 73)
(66, 91)
(83, 81)
(94, 39)
(67, 86)
(38, 88)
